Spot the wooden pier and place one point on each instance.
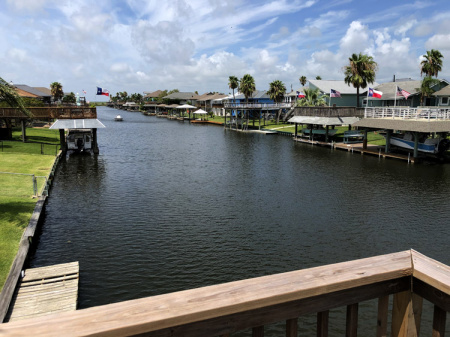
(373, 150)
(45, 290)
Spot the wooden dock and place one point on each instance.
(373, 150)
(45, 290)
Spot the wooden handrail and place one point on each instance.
(251, 303)
(66, 112)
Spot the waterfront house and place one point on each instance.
(292, 96)
(211, 102)
(390, 97)
(152, 96)
(442, 96)
(182, 98)
(348, 92)
(40, 93)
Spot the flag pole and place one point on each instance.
(367, 99)
(329, 102)
(395, 96)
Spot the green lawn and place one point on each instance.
(16, 197)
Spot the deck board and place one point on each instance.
(45, 290)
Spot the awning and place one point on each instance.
(323, 120)
(405, 124)
(77, 124)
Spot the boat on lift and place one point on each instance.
(436, 145)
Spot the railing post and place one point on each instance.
(258, 331)
(406, 314)
(352, 320)
(34, 185)
(292, 327)
(439, 317)
(322, 323)
(382, 320)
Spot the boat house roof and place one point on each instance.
(77, 124)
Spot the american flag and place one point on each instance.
(401, 92)
(84, 91)
(335, 93)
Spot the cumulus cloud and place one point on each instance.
(439, 41)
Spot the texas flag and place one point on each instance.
(101, 91)
(300, 94)
(375, 93)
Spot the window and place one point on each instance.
(444, 100)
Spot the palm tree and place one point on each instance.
(426, 88)
(302, 80)
(360, 72)
(313, 97)
(57, 91)
(233, 83)
(432, 63)
(276, 93)
(247, 87)
(318, 78)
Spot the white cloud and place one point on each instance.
(439, 41)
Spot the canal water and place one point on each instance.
(169, 205)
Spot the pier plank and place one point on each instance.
(44, 291)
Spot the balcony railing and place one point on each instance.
(250, 304)
(430, 114)
(51, 113)
(329, 111)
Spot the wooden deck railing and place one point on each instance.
(71, 112)
(430, 114)
(329, 111)
(250, 304)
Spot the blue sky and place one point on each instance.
(195, 45)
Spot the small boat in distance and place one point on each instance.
(118, 118)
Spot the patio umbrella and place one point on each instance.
(185, 106)
(200, 111)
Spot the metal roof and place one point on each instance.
(77, 124)
(341, 86)
(404, 125)
(323, 120)
(32, 90)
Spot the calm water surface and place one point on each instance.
(168, 206)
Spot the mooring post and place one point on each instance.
(62, 140)
(94, 141)
(24, 130)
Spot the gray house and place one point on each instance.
(390, 97)
(348, 93)
(443, 97)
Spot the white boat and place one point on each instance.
(118, 118)
(79, 139)
(429, 145)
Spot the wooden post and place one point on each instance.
(382, 320)
(292, 327)
(326, 134)
(322, 323)
(311, 132)
(62, 140)
(94, 141)
(296, 130)
(416, 145)
(225, 121)
(439, 317)
(352, 320)
(258, 331)
(24, 130)
(365, 139)
(406, 314)
(388, 141)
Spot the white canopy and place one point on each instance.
(201, 112)
(185, 106)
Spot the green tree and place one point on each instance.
(247, 87)
(318, 78)
(233, 83)
(276, 92)
(124, 96)
(57, 91)
(303, 80)
(426, 88)
(69, 98)
(431, 65)
(360, 72)
(313, 97)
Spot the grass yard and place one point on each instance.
(16, 197)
